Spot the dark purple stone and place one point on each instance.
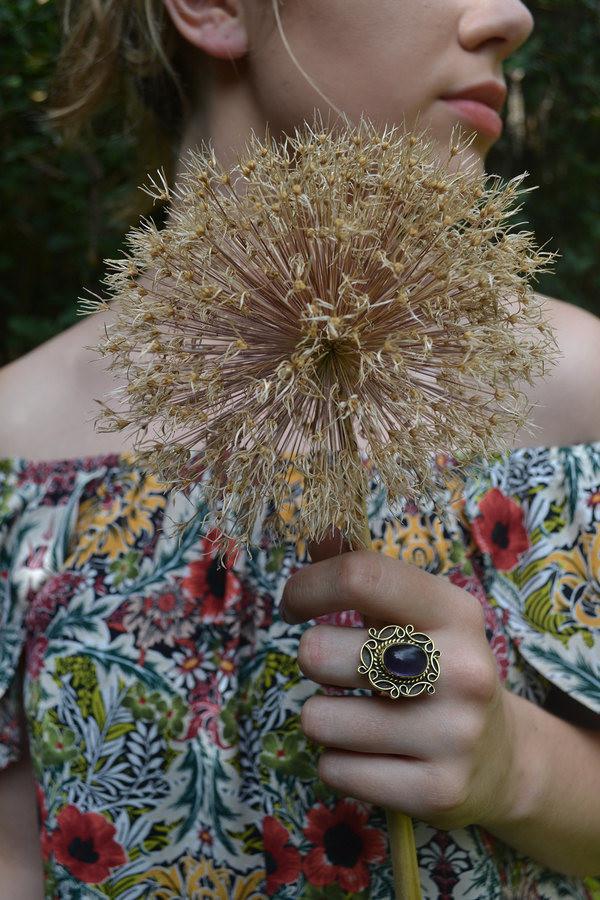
(405, 660)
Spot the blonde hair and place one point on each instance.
(123, 56)
(128, 54)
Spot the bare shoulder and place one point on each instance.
(568, 400)
(48, 409)
(47, 397)
(575, 324)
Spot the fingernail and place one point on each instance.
(285, 615)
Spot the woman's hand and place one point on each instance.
(447, 758)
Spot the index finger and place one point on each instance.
(378, 586)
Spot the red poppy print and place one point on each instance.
(344, 846)
(216, 587)
(282, 860)
(84, 844)
(500, 531)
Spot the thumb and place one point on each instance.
(331, 544)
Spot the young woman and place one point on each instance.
(151, 706)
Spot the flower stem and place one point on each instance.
(400, 829)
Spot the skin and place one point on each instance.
(337, 41)
(445, 758)
(456, 757)
(471, 753)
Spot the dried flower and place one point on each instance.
(329, 287)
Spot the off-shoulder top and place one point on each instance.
(159, 693)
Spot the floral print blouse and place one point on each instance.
(160, 696)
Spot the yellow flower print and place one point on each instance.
(109, 523)
(288, 509)
(294, 481)
(415, 543)
(577, 587)
(200, 879)
(412, 541)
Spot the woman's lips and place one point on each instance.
(483, 117)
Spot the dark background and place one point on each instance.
(66, 208)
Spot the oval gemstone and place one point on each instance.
(405, 660)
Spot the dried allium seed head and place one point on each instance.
(330, 289)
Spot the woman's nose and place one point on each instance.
(503, 24)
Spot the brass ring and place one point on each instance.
(400, 661)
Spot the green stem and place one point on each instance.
(400, 829)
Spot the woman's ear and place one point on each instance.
(215, 26)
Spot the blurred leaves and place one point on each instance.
(554, 80)
(62, 205)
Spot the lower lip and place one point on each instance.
(483, 117)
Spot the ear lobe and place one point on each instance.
(215, 26)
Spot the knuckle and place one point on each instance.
(349, 577)
(358, 575)
(328, 770)
(290, 588)
(470, 732)
(324, 769)
(475, 612)
(487, 682)
(476, 677)
(310, 718)
(484, 681)
(447, 792)
(309, 652)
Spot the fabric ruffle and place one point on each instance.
(535, 516)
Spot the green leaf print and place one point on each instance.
(581, 676)
(593, 884)
(118, 730)
(280, 668)
(83, 679)
(571, 474)
(555, 520)
(109, 658)
(171, 717)
(98, 710)
(58, 745)
(458, 556)
(158, 837)
(276, 558)
(287, 754)
(68, 520)
(142, 702)
(125, 567)
(251, 838)
(457, 551)
(236, 709)
(172, 556)
(539, 612)
(204, 776)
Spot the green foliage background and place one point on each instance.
(60, 206)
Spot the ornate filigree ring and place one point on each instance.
(400, 661)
